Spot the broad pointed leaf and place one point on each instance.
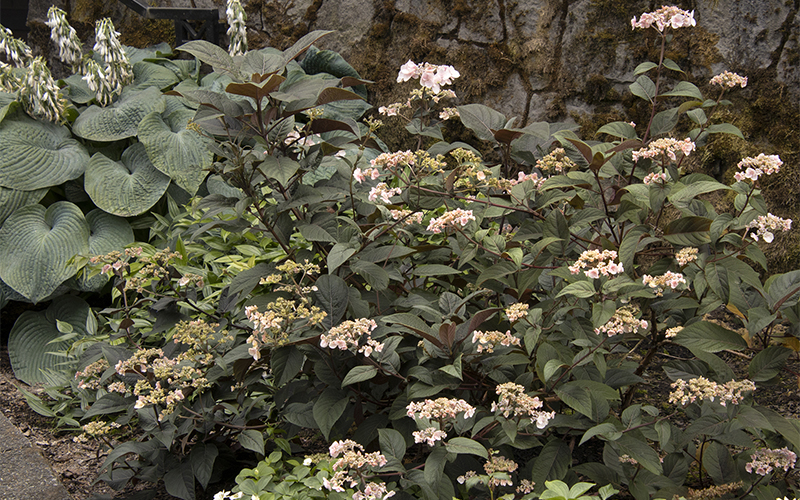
(181, 153)
(36, 155)
(106, 233)
(12, 199)
(36, 244)
(147, 74)
(125, 188)
(29, 340)
(121, 119)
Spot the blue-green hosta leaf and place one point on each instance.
(106, 233)
(217, 185)
(121, 119)
(147, 74)
(181, 153)
(125, 188)
(36, 155)
(12, 199)
(136, 54)
(77, 90)
(29, 341)
(36, 244)
(8, 104)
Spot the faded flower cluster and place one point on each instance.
(728, 79)
(237, 28)
(65, 37)
(666, 16)
(686, 255)
(672, 332)
(665, 147)
(407, 216)
(655, 178)
(514, 401)
(623, 321)
(430, 76)
(766, 224)
(556, 161)
(594, 263)
(660, 283)
(348, 335)
(384, 192)
(498, 472)
(450, 219)
(517, 311)
(439, 409)
(429, 435)
(754, 167)
(488, 341)
(701, 388)
(765, 460)
(352, 458)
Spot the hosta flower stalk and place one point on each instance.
(16, 51)
(39, 94)
(65, 37)
(237, 28)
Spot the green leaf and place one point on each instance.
(644, 67)
(768, 363)
(147, 74)
(252, 440)
(211, 54)
(459, 445)
(623, 130)
(604, 428)
(641, 452)
(435, 270)
(36, 244)
(182, 154)
(359, 374)
(717, 461)
(279, 168)
(783, 290)
(685, 89)
(31, 339)
(644, 88)
(328, 408)
(126, 188)
(315, 232)
(202, 458)
(725, 128)
(36, 155)
(552, 463)
(670, 64)
(339, 255)
(580, 289)
(109, 403)
(121, 119)
(106, 234)
(179, 481)
(709, 337)
(392, 443)
(682, 197)
(12, 199)
(664, 121)
(688, 231)
(286, 361)
(482, 120)
(373, 274)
